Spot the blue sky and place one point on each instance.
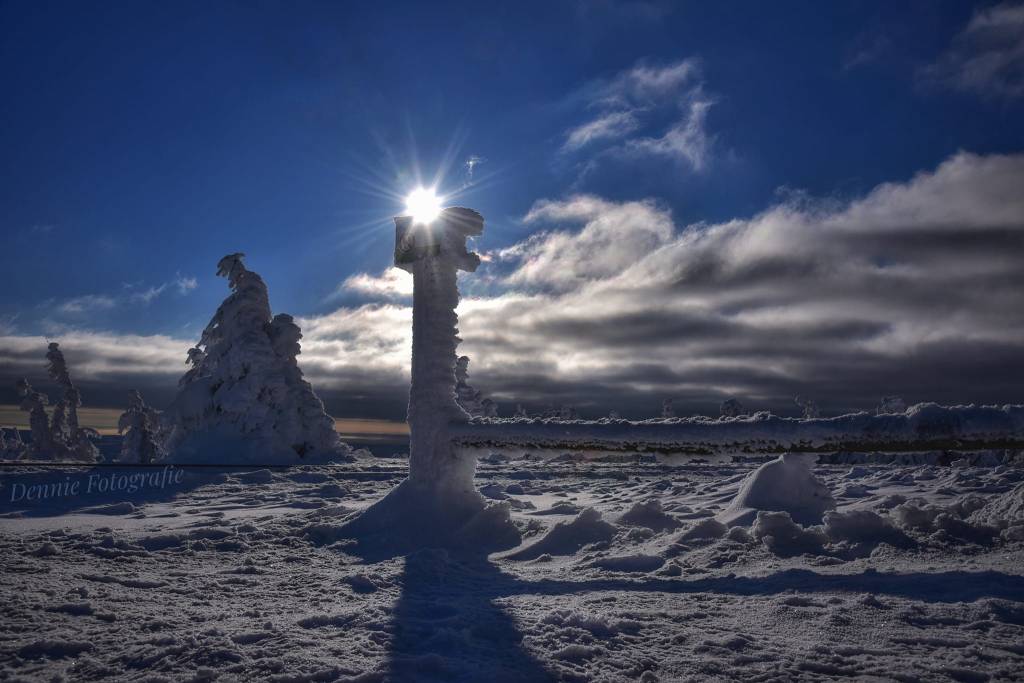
(143, 141)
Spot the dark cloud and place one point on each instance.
(913, 289)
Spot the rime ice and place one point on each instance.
(438, 503)
(244, 397)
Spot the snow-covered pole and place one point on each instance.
(434, 253)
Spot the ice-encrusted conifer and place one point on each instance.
(731, 407)
(245, 385)
(65, 432)
(809, 407)
(468, 398)
(140, 427)
(891, 405)
(34, 403)
(667, 410)
(11, 445)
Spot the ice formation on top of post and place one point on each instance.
(244, 397)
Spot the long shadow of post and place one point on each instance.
(448, 627)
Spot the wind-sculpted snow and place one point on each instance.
(242, 574)
(244, 398)
(922, 426)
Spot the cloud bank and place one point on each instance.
(912, 289)
(987, 56)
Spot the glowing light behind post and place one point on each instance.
(423, 205)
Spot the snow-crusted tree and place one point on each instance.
(468, 398)
(521, 411)
(140, 427)
(731, 407)
(809, 407)
(244, 395)
(34, 403)
(667, 410)
(64, 428)
(11, 445)
(891, 404)
(488, 408)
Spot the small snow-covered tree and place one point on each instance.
(140, 427)
(11, 445)
(731, 407)
(809, 407)
(468, 398)
(34, 403)
(667, 410)
(245, 383)
(891, 404)
(65, 431)
(521, 411)
(488, 408)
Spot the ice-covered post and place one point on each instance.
(437, 504)
(434, 253)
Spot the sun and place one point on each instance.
(423, 205)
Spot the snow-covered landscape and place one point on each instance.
(625, 572)
(590, 341)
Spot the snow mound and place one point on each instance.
(784, 537)
(649, 514)
(863, 526)
(413, 516)
(566, 538)
(704, 529)
(782, 485)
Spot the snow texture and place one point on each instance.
(244, 398)
(241, 574)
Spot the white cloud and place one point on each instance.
(908, 289)
(393, 283)
(632, 106)
(185, 284)
(608, 126)
(987, 57)
(687, 139)
(86, 303)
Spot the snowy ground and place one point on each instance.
(238, 575)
